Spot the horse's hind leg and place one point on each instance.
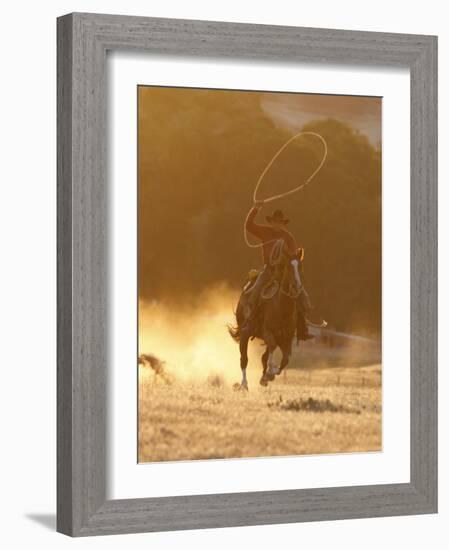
(265, 360)
(263, 380)
(244, 338)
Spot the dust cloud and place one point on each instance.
(192, 339)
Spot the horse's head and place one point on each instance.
(291, 281)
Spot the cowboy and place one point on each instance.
(270, 235)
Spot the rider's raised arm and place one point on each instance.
(252, 227)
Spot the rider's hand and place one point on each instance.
(258, 204)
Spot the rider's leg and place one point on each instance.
(253, 298)
(302, 330)
(305, 301)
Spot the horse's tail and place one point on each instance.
(234, 331)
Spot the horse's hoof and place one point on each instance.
(263, 381)
(243, 387)
(271, 373)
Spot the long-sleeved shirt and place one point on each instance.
(268, 235)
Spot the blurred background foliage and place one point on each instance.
(200, 155)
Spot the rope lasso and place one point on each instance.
(277, 247)
(286, 193)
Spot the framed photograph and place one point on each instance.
(247, 274)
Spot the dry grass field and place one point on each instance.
(328, 401)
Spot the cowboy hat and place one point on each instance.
(277, 216)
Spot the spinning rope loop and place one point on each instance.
(291, 191)
(277, 250)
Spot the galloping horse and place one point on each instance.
(275, 323)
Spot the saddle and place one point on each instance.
(276, 281)
(268, 290)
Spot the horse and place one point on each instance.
(275, 322)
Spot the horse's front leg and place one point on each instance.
(270, 368)
(244, 339)
(263, 380)
(286, 350)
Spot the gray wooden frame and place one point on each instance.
(83, 40)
